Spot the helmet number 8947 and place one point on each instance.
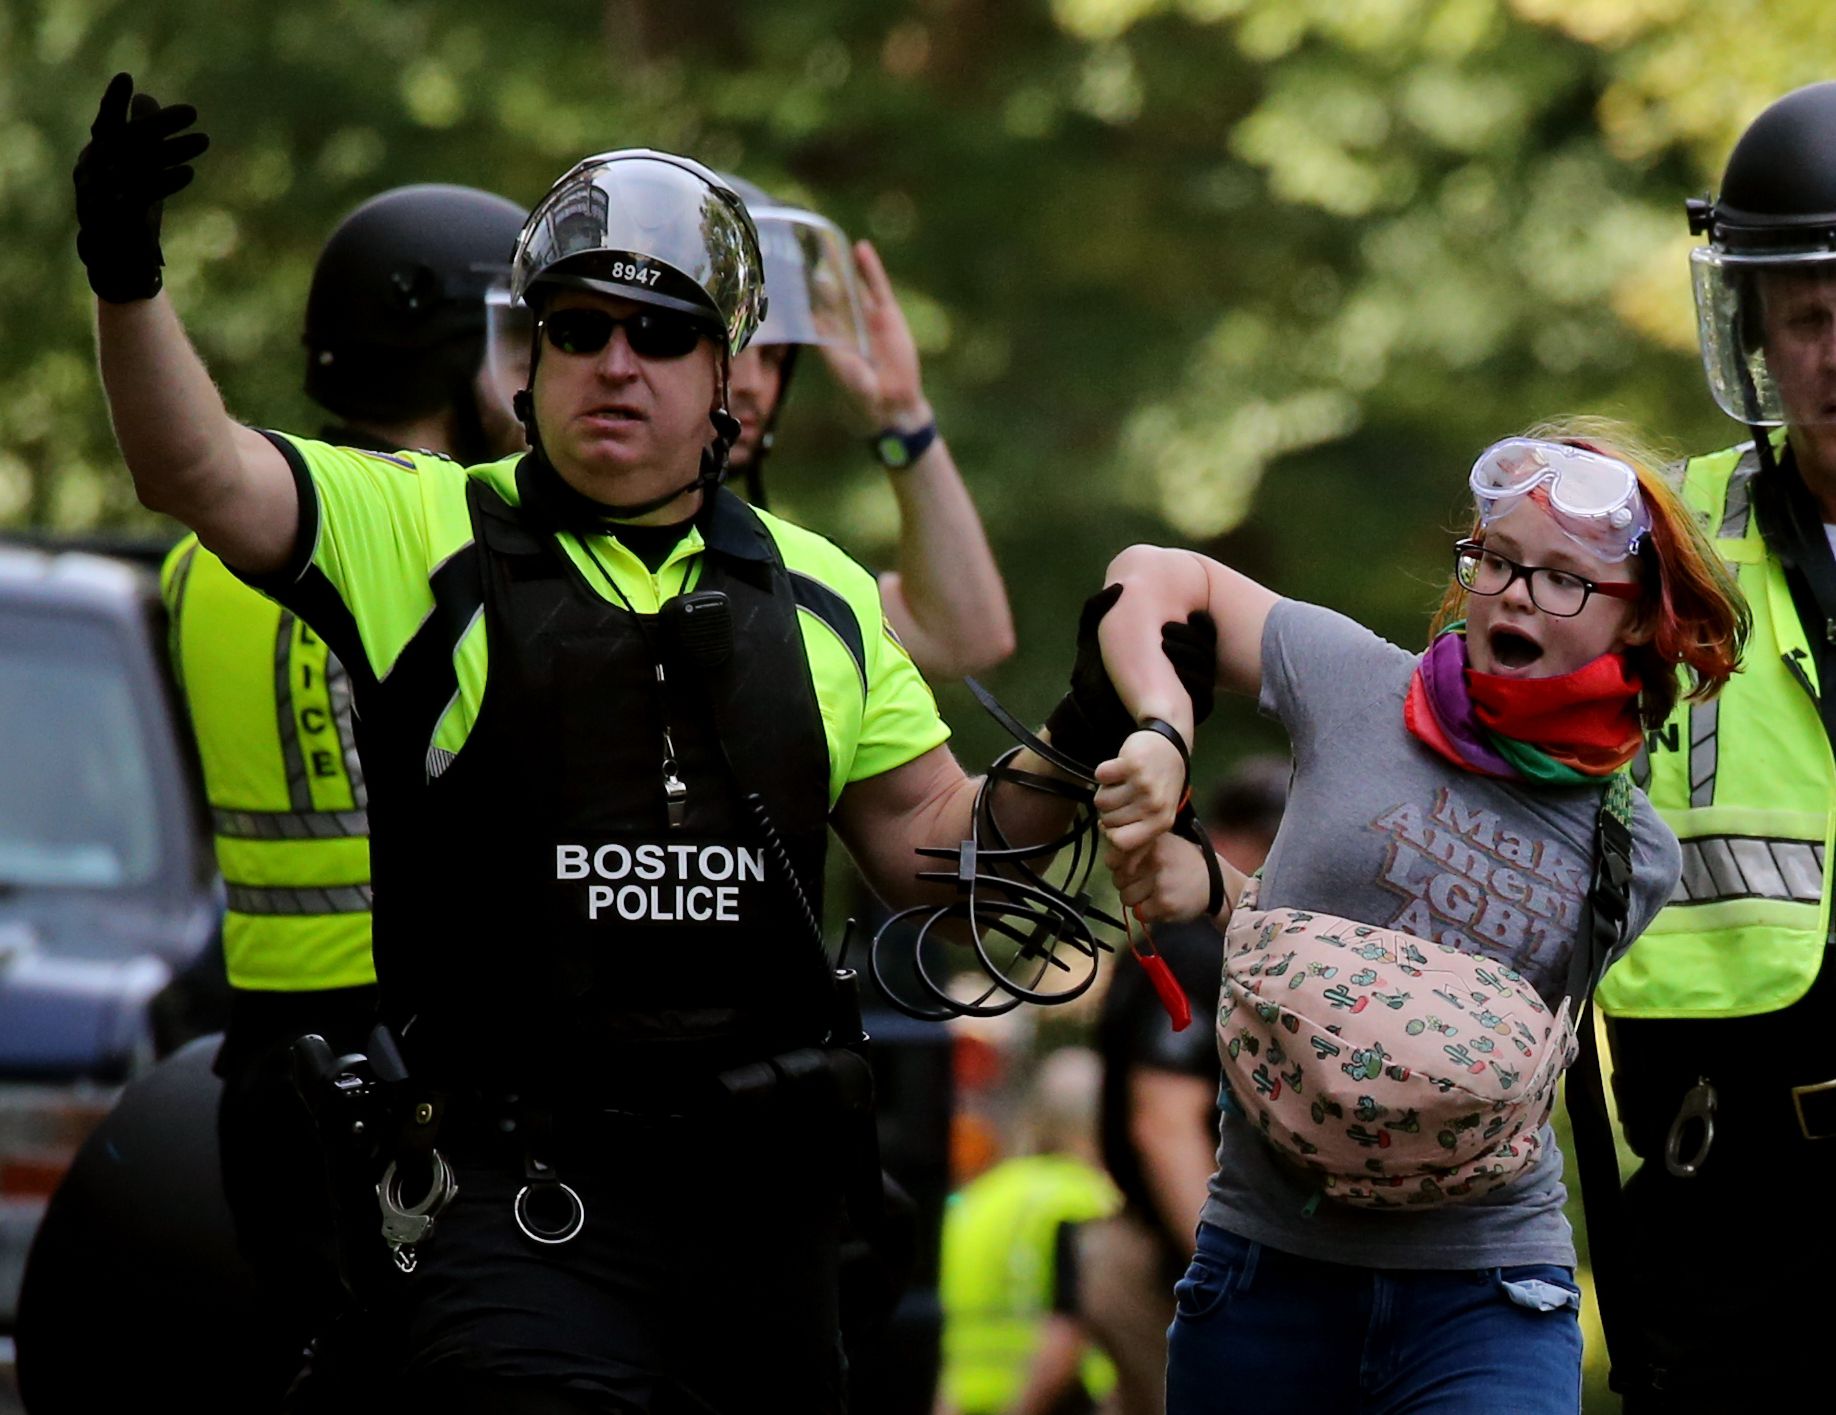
(637, 274)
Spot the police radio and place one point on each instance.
(699, 627)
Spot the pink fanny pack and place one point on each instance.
(1395, 1070)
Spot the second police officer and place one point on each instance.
(1719, 1017)
(946, 601)
(607, 714)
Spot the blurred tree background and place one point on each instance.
(1255, 275)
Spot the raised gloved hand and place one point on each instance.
(138, 154)
(1090, 721)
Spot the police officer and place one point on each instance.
(606, 714)
(1718, 1017)
(401, 352)
(946, 601)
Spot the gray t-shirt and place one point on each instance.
(1381, 829)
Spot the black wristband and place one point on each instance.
(1187, 823)
(1163, 728)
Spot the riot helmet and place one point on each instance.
(1765, 284)
(651, 227)
(814, 300)
(809, 275)
(396, 320)
(656, 229)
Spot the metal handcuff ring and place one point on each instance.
(406, 1225)
(551, 1237)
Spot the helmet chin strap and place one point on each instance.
(713, 470)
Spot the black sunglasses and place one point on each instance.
(652, 334)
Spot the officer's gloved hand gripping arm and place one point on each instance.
(188, 457)
(946, 601)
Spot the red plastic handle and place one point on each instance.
(1167, 988)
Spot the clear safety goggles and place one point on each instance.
(1593, 499)
(1766, 321)
(809, 282)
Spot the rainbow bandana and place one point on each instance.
(1563, 731)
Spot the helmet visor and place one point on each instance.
(809, 277)
(1594, 499)
(652, 228)
(1767, 325)
(509, 335)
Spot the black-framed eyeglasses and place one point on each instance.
(652, 334)
(1561, 593)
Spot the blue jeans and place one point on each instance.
(1255, 1329)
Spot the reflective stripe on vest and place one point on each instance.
(290, 825)
(1717, 868)
(1749, 785)
(345, 899)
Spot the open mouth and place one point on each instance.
(1511, 649)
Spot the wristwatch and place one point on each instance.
(898, 450)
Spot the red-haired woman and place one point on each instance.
(1443, 815)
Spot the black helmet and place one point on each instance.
(652, 227)
(1776, 213)
(395, 321)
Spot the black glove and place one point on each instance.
(1090, 721)
(136, 157)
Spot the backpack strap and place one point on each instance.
(1596, 1154)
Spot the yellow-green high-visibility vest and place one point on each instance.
(270, 707)
(997, 1274)
(1748, 783)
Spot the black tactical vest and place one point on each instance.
(539, 923)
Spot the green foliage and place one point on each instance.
(1180, 268)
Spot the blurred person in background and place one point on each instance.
(946, 600)
(1006, 1350)
(1718, 1019)
(1160, 1111)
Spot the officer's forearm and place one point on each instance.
(187, 456)
(169, 419)
(884, 820)
(947, 602)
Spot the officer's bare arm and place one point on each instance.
(946, 601)
(929, 801)
(187, 456)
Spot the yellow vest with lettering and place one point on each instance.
(1748, 783)
(270, 707)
